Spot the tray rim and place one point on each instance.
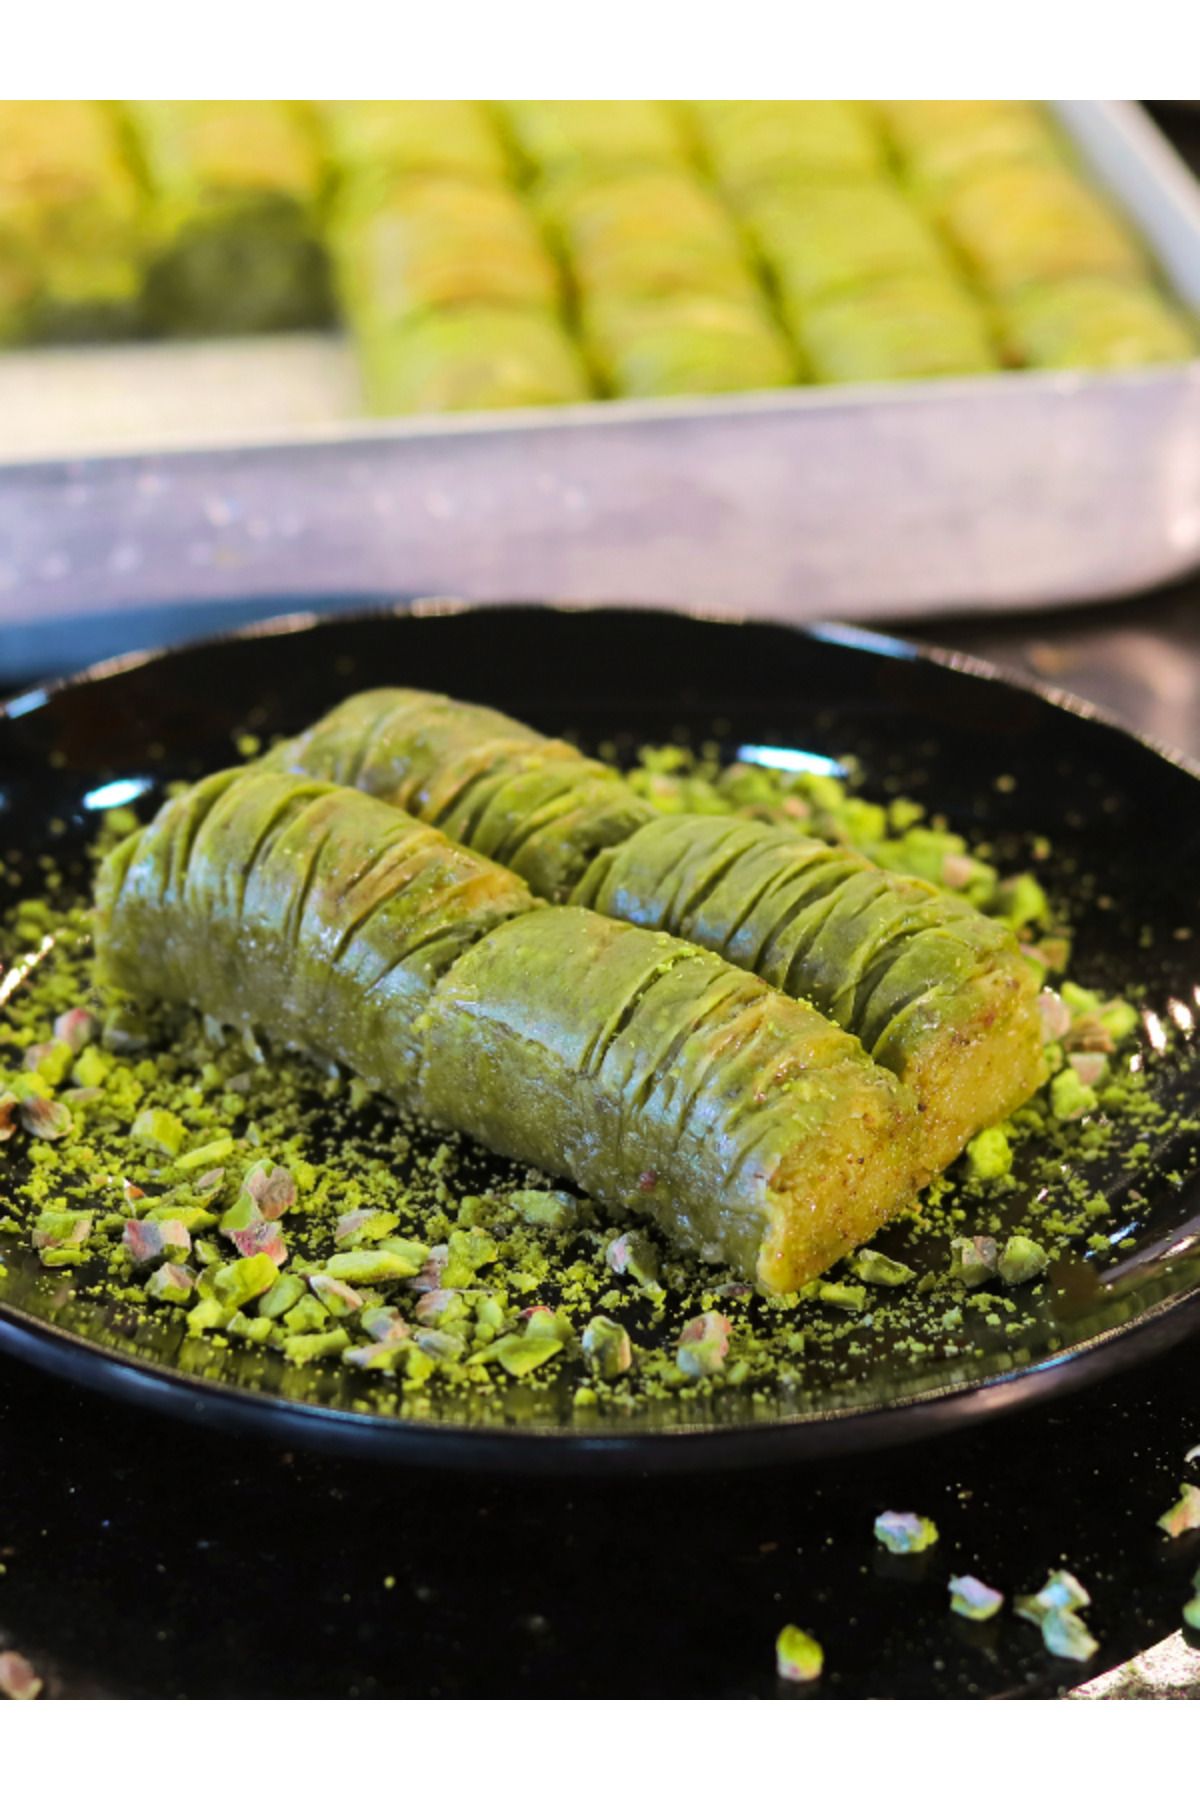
(554, 1449)
(1060, 386)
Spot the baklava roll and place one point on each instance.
(941, 995)
(1031, 222)
(403, 247)
(752, 1130)
(912, 328)
(752, 143)
(72, 248)
(1094, 322)
(686, 344)
(387, 138)
(819, 240)
(553, 137)
(235, 189)
(470, 358)
(646, 232)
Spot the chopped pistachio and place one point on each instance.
(905, 1534)
(606, 1347)
(1021, 1260)
(52, 1061)
(881, 1271)
(258, 1330)
(338, 1298)
(1065, 1634)
(380, 1358)
(215, 1151)
(634, 1255)
(264, 1237)
(441, 1306)
(703, 1345)
(518, 1353)
(1056, 1016)
(171, 1283)
(974, 1599)
(365, 1225)
(989, 1154)
(271, 1188)
(1023, 901)
(1069, 1098)
(236, 1284)
(442, 1346)
(76, 1028)
(1185, 1514)
(281, 1296)
(1060, 1592)
(973, 1260)
(59, 1235)
(798, 1657)
(146, 1240)
(159, 1130)
(843, 1295)
(47, 1119)
(384, 1324)
(19, 1679)
(306, 1347)
(308, 1314)
(546, 1207)
(373, 1265)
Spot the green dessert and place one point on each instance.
(551, 136)
(686, 344)
(644, 232)
(531, 802)
(1031, 221)
(659, 1078)
(915, 327)
(749, 143)
(407, 137)
(937, 992)
(1094, 322)
(405, 246)
(945, 142)
(234, 190)
(71, 244)
(934, 990)
(819, 240)
(471, 358)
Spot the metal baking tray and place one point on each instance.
(230, 475)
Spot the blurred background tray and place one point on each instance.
(154, 474)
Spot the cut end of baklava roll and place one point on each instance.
(665, 1082)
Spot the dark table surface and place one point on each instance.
(144, 1557)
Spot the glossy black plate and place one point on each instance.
(999, 760)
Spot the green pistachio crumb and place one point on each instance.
(881, 1271)
(905, 1534)
(606, 1347)
(989, 1154)
(798, 1656)
(1021, 1260)
(379, 1265)
(160, 1130)
(974, 1599)
(1185, 1514)
(844, 1295)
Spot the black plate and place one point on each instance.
(1122, 815)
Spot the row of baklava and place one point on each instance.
(536, 252)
